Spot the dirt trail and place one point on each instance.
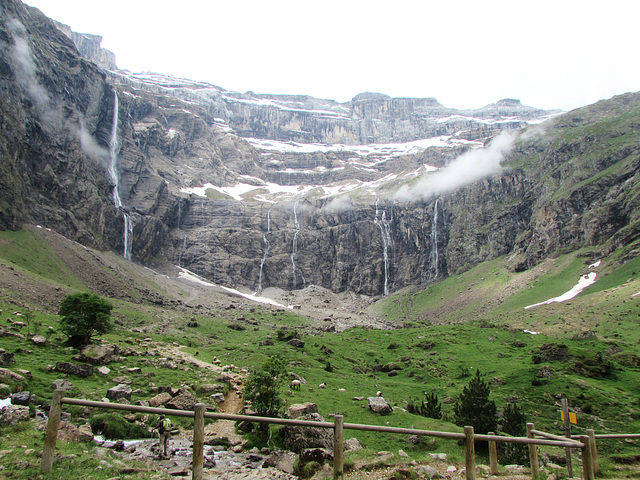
(233, 403)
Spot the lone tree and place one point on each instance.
(84, 315)
(474, 408)
(430, 406)
(263, 389)
(514, 423)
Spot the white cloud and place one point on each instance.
(467, 168)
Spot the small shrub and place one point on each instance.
(430, 407)
(114, 427)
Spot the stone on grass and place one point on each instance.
(39, 340)
(119, 392)
(159, 399)
(78, 369)
(12, 414)
(184, 401)
(379, 405)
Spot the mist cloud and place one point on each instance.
(467, 168)
(25, 71)
(90, 145)
(338, 204)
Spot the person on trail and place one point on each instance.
(164, 429)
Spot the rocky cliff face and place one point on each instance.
(262, 191)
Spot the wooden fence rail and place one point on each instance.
(586, 443)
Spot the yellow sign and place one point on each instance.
(573, 418)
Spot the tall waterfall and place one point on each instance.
(385, 232)
(265, 250)
(114, 151)
(294, 247)
(434, 260)
(266, 246)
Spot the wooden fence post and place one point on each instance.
(198, 442)
(567, 433)
(533, 453)
(594, 451)
(493, 456)
(469, 454)
(587, 461)
(338, 447)
(51, 433)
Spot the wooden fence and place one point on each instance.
(586, 443)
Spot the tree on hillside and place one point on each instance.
(474, 408)
(263, 389)
(514, 423)
(84, 315)
(430, 406)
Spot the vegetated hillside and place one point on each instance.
(585, 349)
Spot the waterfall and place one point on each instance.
(114, 151)
(434, 260)
(385, 232)
(267, 245)
(294, 247)
(269, 219)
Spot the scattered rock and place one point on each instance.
(426, 471)
(296, 342)
(352, 444)
(12, 414)
(21, 398)
(98, 354)
(78, 369)
(299, 410)
(379, 405)
(209, 388)
(299, 438)
(282, 460)
(103, 370)
(183, 401)
(122, 379)
(119, 392)
(39, 340)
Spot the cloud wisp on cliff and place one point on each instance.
(464, 170)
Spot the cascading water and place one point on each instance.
(294, 247)
(266, 247)
(114, 150)
(434, 260)
(385, 232)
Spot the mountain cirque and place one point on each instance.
(257, 191)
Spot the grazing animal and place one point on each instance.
(378, 393)
(295, 385)
(322, 385)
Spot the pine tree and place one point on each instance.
(514, 423)
(430, 407)
(474, 408)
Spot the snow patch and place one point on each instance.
(192, 277)
(584, 282)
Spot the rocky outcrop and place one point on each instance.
(89, 47)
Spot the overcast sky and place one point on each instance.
(465, 53)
